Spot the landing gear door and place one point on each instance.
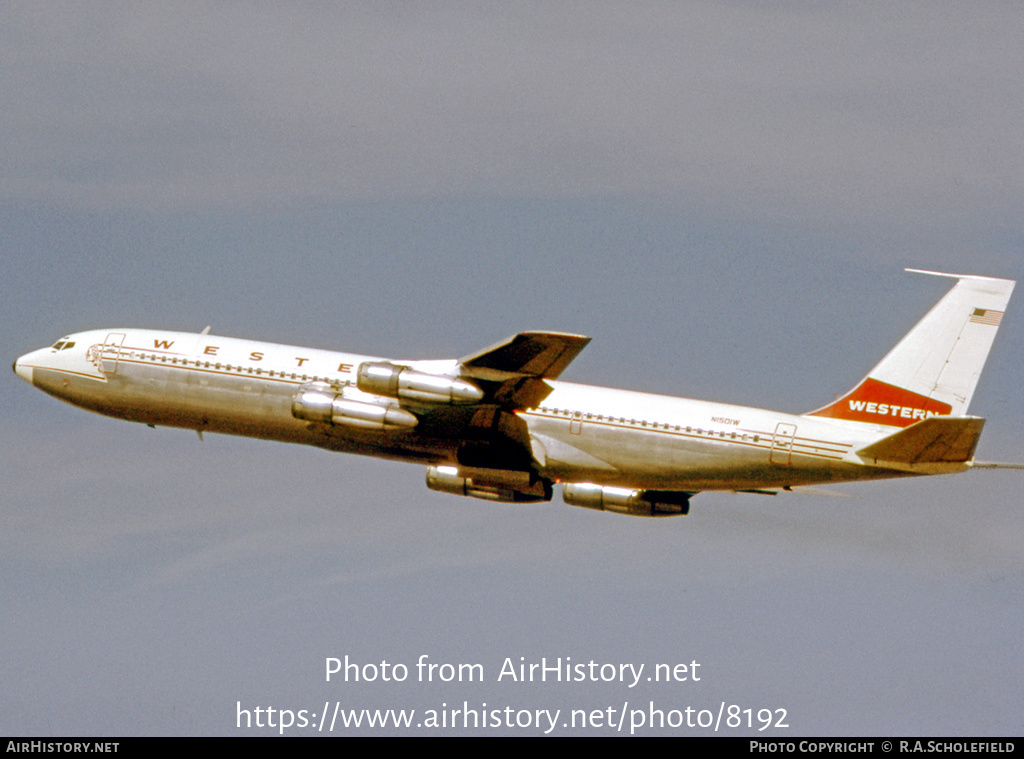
(782, 444)
(110, 352)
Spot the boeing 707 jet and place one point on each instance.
(499, 425)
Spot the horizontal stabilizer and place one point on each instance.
(936, 444)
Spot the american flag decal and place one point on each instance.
(986, 316)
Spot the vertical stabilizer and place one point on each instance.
(934, 369)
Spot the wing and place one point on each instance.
(538, 354)
(514, 369)
(475, 410)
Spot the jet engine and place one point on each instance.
(317, 402)
(637, 503)
(396, 381)
(489, 484)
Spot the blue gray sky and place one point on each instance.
(723, 195)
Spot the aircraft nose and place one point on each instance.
(23, 371)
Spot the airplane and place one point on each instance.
(499, 425)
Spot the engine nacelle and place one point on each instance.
(492, 485)
(637, 503)
(319, 403)
(396, 381)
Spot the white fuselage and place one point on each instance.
(576, 433)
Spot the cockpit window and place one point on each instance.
(63, 344)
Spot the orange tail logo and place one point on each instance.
(880, 403)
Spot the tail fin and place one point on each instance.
(934, 369)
